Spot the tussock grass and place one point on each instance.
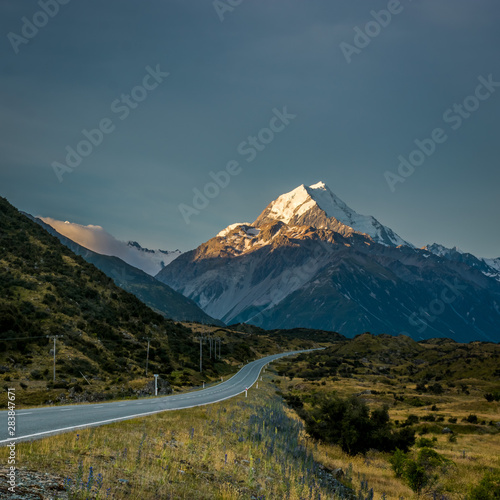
(474, 450)
(241, 448)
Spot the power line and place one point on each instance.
(23, 338)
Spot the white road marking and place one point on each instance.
(138, 415)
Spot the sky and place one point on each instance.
(271, 93)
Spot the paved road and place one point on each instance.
(41, 422)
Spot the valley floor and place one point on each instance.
(243, 448)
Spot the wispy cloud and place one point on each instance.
(97, 239)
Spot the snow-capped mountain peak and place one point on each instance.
(306, 204)
(489, 267)
(442, 251)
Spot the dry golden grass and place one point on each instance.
(236, 449)
(213, 452)
(476, 450)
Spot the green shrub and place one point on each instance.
(490, 397)
(350, 424)
(472, 419)
(436, 389)
(419, 473)
(411, 420)
(429, 418)
(487, 489)
(36, 374)
(416, 476)
(426, 443)
(398, 461)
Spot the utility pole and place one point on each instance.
(156, 384)
(147, 353)
(210, 343)
(54, 337)
(147, 358)
(201, 355)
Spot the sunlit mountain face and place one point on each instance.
(309, 260)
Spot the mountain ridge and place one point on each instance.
(318, 206)
(295, 267)
(489, 267)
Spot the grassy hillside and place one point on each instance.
(447, 393)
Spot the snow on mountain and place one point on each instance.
(493, 263)
(489, 267)
(300, 203)
(98, 240)
(441, 251)
(229, 228)
(310, 261)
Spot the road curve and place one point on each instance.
(36, 423)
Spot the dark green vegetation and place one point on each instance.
(487, 489)
(349, 423)
(374, 394)
(285, 336)
(420, 471)
(46, 290)
(431, 364)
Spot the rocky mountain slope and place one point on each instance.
(301, 264)
(489, 267)
(319, 207)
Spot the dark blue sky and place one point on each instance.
(352, 120)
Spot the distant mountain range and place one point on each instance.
(157, 295)
(98, 240)
(489, 267)
(310, 261)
